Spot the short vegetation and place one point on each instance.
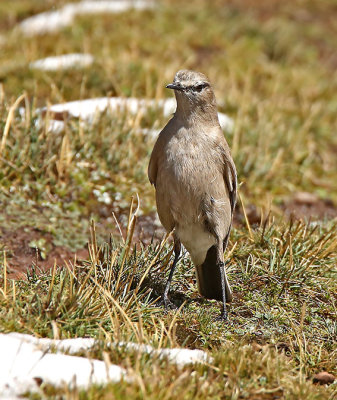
(273, 66)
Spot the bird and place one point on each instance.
(195, 181)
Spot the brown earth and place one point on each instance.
(301, 205)
(22, 252)
(304, 205)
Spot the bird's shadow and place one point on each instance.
(177, 297)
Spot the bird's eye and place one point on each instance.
(199, 88)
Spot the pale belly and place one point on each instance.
(196, 240)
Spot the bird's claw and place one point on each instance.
(168, 305)
(223, 317)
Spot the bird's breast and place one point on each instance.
(191, 161)
(190, 170)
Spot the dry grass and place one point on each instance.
(274, 70)
(281, 331)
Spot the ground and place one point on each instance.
(77, 262)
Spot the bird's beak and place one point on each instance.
(174, 87)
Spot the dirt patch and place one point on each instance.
(252, 213)
(304, 205)
(148, 229)
(301, 206)
(26, 247)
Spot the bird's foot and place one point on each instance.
(167, 303)
(223, 317)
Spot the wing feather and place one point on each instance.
(230, 178)
(229, 172)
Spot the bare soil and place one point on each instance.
(21, 254)
(304, 205)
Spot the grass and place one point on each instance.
(282, 326)
(273, 67)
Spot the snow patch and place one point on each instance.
(27, 361)
(180, 357)
(54, 21)
(87, 110)
(66, 61)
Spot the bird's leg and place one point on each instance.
(177, 249)
(223, 287)
(221, 266)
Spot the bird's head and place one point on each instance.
(192, 89)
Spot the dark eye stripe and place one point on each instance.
(199, 88)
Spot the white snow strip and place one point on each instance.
(150, 132)
(53, 21)
(226, 123)
(86, 110)
(25, 361)
(69, 345)
(66, 61)
(53, 126)
(180, 357)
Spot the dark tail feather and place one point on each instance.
(209, 278)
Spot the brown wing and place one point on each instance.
(229, 170)
(153, 164)
(230, 178)
(158, 150)
(152, 168)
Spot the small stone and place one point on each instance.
(305, 198)
(38, 380)
(323, 378)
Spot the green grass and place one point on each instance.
(281, 94)
(273, 67)
(281, 331)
